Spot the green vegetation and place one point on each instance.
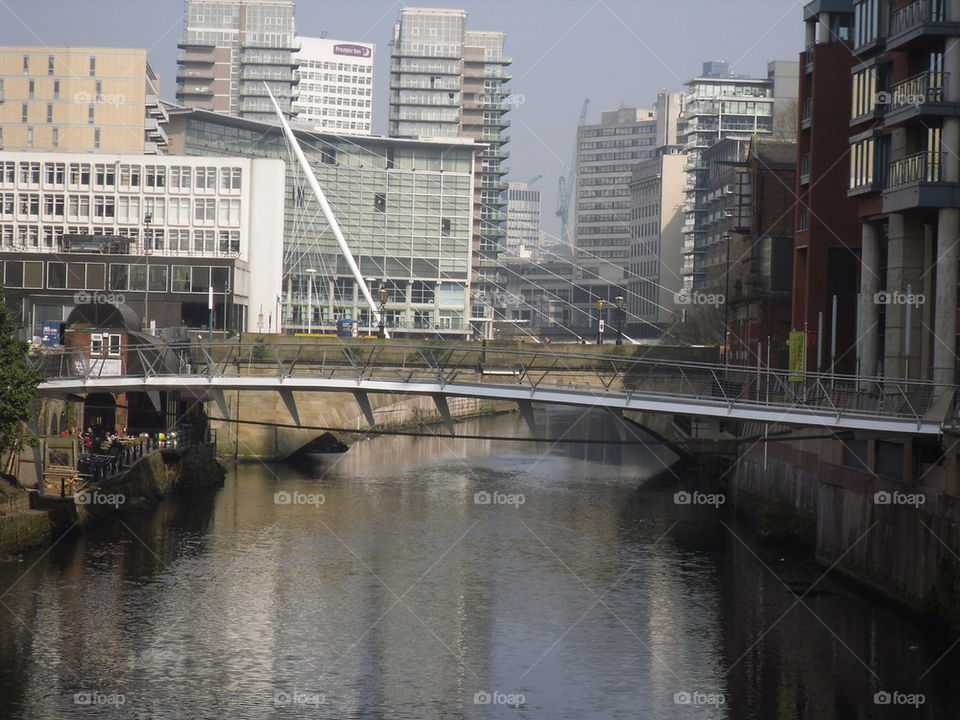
(18, 385)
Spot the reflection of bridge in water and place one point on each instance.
(564, 375)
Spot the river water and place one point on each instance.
(438, 578)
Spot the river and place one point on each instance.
(439, 578)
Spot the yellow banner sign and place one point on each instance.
(798, 355)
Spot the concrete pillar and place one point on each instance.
(824, 32)
(948, 222)
(904, 267)
(869, 310)
(926, 308)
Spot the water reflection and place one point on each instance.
(400, 596)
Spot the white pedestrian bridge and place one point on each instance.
(618, 378)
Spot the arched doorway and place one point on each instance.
(99, 412)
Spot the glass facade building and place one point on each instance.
(405, 208)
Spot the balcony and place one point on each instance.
(919, 20)
(916, 181)
(920, 96)
(808, 60)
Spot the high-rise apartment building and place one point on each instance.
(904, 172)
(448, 81)
(523, 219)
(606, 156)
(718, 104)
(80, 99)
(654, 275)
(335, 85)
(230, 48)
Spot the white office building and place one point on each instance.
(82, 226)
(523, 219)
(335, 86)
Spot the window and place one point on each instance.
(49, 64)
(180, 279)
(864, 95)
(96, 137)
(93, 66)
(56, 89)
(204, 211)
(380, 202)
(104, 176)
(26, 64)
(29, 137)
(802, 224)
(129, 176)
(49, 112)
(867, 21)
(31, 89)
(90, 114)
(23, 112)
(158, 278)
(328, 155)
(422, 293)
(114, 344)
(96, 344)
(155, 176)
(53, 206)
(57, 275)
(104, 207)
(79, 174)
(445, 226)
(118, 277)
(229, 213)
(862, 163)
(55, 137)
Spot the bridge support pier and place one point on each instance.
(364, 402)
(291, 403)
(441, 402)
(526, 411)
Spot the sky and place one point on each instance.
(617, 53)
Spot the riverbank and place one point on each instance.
(29, 520)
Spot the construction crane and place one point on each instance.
(567, 182)
(532, 180)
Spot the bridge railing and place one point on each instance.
(623, 370)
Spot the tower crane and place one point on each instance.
(567, 182)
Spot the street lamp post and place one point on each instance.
(147, 218)
(382, 297)
(600, 304)
(619, 301)
(310, 272)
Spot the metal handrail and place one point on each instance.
(540, 368)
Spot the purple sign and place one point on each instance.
(353, 50)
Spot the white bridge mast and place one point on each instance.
(327, 212)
